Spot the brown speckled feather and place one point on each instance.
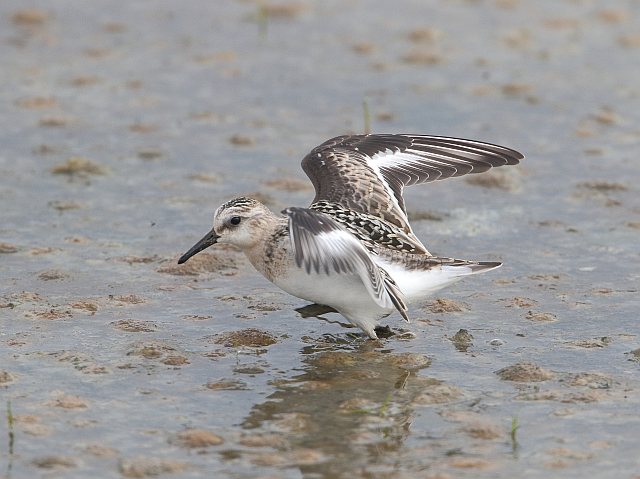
(366, 173)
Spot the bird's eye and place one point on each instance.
(235, 220)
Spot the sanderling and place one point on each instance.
(353, 249)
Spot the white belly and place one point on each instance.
(345, 293)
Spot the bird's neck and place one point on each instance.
(268, 255)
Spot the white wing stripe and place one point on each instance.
(394, 159)
(418, 165)
(376, 169)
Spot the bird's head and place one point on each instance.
(238, 222)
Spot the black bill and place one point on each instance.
(209, 239)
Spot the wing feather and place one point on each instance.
(367, 173)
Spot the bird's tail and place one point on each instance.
(461, 267)
(483, 266)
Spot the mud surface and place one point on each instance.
(125, 124)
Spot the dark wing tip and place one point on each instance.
(481, 266)
(512, 157)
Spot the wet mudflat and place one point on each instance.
(124, 125)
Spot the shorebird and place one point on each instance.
(353, 248)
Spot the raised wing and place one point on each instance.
(320, 244)
(366, 173)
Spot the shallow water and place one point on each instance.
(125, 125)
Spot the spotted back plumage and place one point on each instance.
(372, 231)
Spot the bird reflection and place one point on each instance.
(348, 409)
